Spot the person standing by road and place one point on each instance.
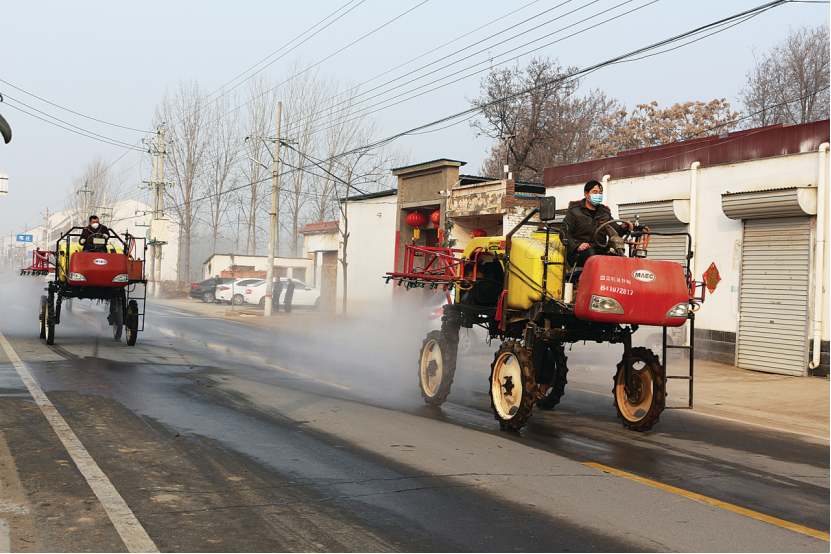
(275, 295)
(289, 294)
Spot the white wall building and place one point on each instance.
(750, 201)
(126, 216)
(370, 254)
(250, 266)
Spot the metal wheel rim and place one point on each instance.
(506, 405)
(237, 299)
(630, 409)
(431, 376)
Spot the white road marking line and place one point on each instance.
(132, 533)
(5, 540)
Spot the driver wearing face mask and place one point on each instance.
(94, 228)
(582, 221)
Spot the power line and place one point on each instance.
(284, 46)
(67, 109)
(511, 28)
(328, 57)
(77, 130)
(488, 61)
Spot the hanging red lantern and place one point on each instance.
(416, 220)
(476, 233)
(435, 217)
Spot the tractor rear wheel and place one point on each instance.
(436, 367)
(558, 357)
(512, 385)
(639, 403)
(42, 317)
(132, 322)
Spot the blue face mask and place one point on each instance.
(596, 199)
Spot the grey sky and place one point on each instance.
(114, 60)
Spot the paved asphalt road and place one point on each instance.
(222, 436)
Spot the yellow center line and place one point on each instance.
(309, 377)
(713, 502)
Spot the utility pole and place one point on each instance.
(46, 231)
(269, 284)
(159, 205)
(84, 191)
(507, 139)
(154, 188)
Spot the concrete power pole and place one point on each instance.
(46, 231)
(269, 280)
(84, 191)
(154, 187)
(159, 210)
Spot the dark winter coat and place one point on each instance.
(581, 223)
(289, 294)
(88, 231)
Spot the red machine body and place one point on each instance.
(99, 269)
(646, 290)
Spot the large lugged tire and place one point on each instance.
(42, 317)
(639, 407)
(512, 385)
(132, 322)
(116, 319)
(50, 319)
(436, 367)
(558, 357)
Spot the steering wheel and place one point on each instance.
(90, 245)
(611, 229)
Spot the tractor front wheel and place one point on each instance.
(116, 319)
(132, 322)
(512, 385)
(50, 319)
(639, 402)
(436, 367)
(42, 317)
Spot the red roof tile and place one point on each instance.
(325, 227)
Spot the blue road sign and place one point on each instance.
(25, 238)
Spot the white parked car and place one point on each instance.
(304, 295)
(234, 291)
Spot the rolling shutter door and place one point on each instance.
(773, 325)
(668, 249)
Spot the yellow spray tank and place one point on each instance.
(526, 276)
(525, 279)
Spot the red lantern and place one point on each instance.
(476, 233)
(416, 220)
(435, 217)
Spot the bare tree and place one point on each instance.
(648, 125)
(549, 125)
(105, 186)
(260, 124)
(790, 83)
(303, 112)
(222, 162)
(344, 126)
(187, 148)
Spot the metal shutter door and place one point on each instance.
(773, 324)
(668, 249)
